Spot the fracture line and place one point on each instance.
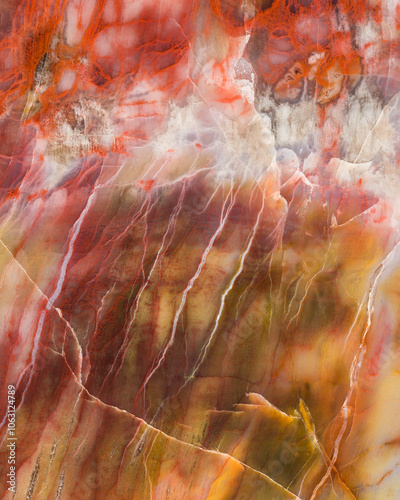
(75, 231)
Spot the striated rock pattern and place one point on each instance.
(199, 249)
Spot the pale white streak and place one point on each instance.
(147, 472)
(356, 366)
(243, 294)
(144, 206)
(73, 411)
(59, 312)
(298, 277)
(211, 198)
(299, 176)
(60, 282)
(103, 299)
(257, 266)
(74, 234)
(189, 286)
(308, 285)
(170, 230)
(328, 463)
(355, 320)
(123, 233)
(305, 475)
(40, 324)
(186, 177)
(150, 167)
(163, 164)
(225, 294)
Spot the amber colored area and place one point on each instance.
(199, 249)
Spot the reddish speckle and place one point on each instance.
(146, 185)
(13, 193)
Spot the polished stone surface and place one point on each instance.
(200, 249)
